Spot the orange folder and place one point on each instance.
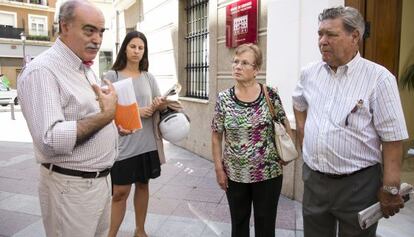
(126, 116)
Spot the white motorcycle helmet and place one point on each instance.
(174, 127)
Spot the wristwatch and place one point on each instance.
(390, 189)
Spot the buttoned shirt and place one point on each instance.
(55, 92)
(349, 114)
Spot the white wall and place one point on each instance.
(160, 25)
(292, 42)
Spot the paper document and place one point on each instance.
(175, 89)
(372, 214)
(127, 113)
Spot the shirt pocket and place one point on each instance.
(353, 113)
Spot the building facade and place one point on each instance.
(26, 29)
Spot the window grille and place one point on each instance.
(197, 49)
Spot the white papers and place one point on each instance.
(372, 214)
(125, 91)
(175, 89)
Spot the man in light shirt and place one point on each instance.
(351, 125)
(70, 119)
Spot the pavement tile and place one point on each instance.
(4, 195)
(12, 222)
(21, 203)
(204, 195)
(173, 191)
(181, 227)
(220, 213)
(164, 206)
(217, 229)
(23, 186)
(35, 229)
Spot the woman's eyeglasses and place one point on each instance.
(243, 64)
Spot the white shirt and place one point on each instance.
(55, 92)
(361, 90)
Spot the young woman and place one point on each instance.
(249, 169)
(138, 159)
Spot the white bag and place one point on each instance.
(284, 144)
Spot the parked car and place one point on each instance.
(7, 95)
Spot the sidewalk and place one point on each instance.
(184, 201)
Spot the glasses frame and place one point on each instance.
(243, 64)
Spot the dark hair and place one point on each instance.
(121, 59)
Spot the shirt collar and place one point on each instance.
(68, 55)
(347, 68)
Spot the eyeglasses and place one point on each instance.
(243, 64)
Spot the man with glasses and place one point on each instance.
(70, 119)
(350, 121)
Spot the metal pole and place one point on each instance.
(12, 111)
(23, 38)
(24, 53)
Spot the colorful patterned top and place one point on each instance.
(249, 153)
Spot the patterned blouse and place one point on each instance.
(249, 153)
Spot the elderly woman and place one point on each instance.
(249, 169)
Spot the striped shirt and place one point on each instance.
(349, 114)
(55, 92)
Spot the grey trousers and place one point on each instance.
(331, 205)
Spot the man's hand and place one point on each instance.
(390, 204)
(107, 98)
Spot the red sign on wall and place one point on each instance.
(241, 23)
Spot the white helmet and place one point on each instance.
(174, 127)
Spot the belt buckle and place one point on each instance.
(97, 174)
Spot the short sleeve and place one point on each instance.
(111, 76)
(277, 104)
(298, 98)
(388, 115)
(155, 90)
(217, 125)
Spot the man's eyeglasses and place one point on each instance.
(243, 64)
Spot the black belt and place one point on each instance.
(83, 174)
(340, 176)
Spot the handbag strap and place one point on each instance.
(269, 103)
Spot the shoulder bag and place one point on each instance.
(284, 144)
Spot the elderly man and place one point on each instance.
(350, 121)
(70, 119)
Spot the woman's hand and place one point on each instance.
(159, 103)
(146, 112)
(283, 163)
(124, 132)
(221, 177)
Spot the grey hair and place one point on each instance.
(350, 16)
(67, 11)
